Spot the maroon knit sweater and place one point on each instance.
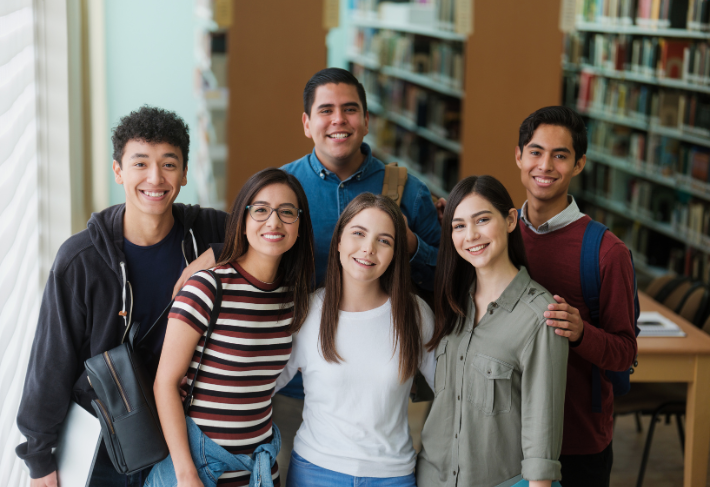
(553, 260)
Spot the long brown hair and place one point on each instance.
(395, 282)
(297, 266)
(455, 276)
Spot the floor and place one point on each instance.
(665, 465)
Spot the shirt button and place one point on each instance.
(495, 305)
(490, 312)
(322, 175)
(456, 435)
(461, 357)
(489, 372)
(454, 472)
(458, 398)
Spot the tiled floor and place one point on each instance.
(665, 465)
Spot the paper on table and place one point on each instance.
(79, 440)
(654, 324)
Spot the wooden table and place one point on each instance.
(685, 359)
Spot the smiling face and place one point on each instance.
(151, 175)
(366, 245)
(547, 164)
(480, 233)
(337, 125)
(271, 238)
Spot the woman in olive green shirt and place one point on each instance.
(496, 420)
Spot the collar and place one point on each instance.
(569, 215)
(514, 291)
(368, 166)
(507, 300)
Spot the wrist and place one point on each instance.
(186, 471)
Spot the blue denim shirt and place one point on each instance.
(327, 198)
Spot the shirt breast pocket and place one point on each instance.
(491, 385)
(440, 376)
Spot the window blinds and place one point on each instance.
(20, 289)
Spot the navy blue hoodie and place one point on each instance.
(88, 287)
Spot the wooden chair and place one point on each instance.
(657, 284)
(694, 305)
(671, 296)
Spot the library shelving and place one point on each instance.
(480, 100)
(412, 65)
(640, 72)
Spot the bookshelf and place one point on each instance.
(275, 47)
(640, 73)
(445, 104)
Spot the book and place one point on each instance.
(79, 441)
(654, 324)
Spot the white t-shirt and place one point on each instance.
(355, 412)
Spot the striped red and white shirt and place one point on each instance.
(247, 351)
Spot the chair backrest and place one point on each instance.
(706, 325)
(694, 304)
(657, 284)
(674, 298)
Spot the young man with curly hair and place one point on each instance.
(120, 270)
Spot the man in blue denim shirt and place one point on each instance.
(341, 167)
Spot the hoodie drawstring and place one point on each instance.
(194, 243)
(123, 295)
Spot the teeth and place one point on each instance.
(273, 237)
(545, 181)
(339, 136)
(364, 262)
(477, 248)
(154, 194)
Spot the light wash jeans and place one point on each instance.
(211, 461)
(302, 473)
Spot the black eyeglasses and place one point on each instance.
(286, 214)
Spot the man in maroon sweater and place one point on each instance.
(551, 151)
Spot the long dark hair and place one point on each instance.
(297, 265)
(395, 281)
(454, 276)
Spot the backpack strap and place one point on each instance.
(591, 286)
(393, 184)
(216, 305)
(589, 267)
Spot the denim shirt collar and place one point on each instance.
(368, 166)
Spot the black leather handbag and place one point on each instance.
(126, 405)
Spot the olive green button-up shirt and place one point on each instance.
(499, 396)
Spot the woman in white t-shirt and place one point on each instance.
(358, 350)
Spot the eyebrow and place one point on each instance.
(266, 203)
(383, 234)
(558, 149)
(331, 105)
(474, 215)
(138, 155)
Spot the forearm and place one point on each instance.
(172, 421)
(540, 483)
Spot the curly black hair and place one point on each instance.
(153, 125)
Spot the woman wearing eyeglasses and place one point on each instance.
(265, 270)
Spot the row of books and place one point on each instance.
(391, 141)
(440, 60)
(686, 111)
(656, 154)
(437, 14)
(675, 14)
(440, 114)
(655, 249)
(650, 56)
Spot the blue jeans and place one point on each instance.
(302, 473)
(212, 460)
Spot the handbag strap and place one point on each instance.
(134, 328)
(217, 302)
